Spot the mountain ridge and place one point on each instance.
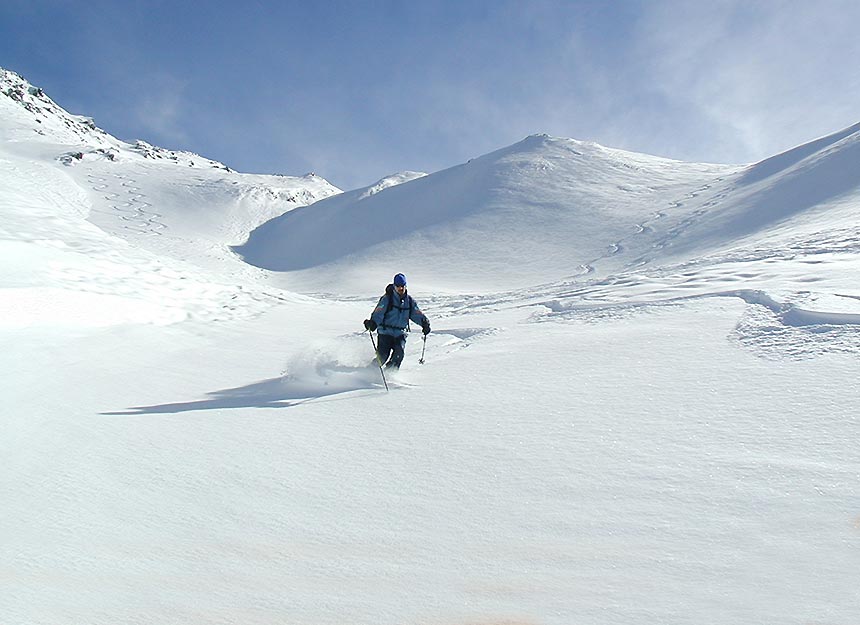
(561, 208)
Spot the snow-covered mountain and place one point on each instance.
(88, 216)
(638, 401)
(562, 209)
(544, 206)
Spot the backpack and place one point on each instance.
(389, 291)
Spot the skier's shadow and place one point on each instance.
(281, 392)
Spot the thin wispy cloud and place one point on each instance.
(761, 76)
(355, 94)
(162, 109)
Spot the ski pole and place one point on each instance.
(421, 361)
(378, 362)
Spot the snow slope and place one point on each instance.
(551, 207)
(638, 403)
(83, 233)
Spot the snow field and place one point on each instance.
(638, 406)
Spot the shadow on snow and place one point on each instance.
(280, 392)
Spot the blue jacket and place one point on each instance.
(392, 313)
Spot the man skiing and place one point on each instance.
(391, 318)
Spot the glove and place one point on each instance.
(370, 324)
(425, 327)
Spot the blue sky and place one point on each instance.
(357, 90)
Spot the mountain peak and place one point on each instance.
(35, 112)
(31, 111)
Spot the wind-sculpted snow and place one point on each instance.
(784, 318)
(390, 181)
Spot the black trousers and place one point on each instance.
(393, 346)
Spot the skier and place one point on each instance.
(391, 320)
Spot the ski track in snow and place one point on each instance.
(678, 229)
(127, 203)
(617, 248)
(771, 327)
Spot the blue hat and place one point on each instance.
(399, 280)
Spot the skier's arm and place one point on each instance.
(420, 318)
(379, 311)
